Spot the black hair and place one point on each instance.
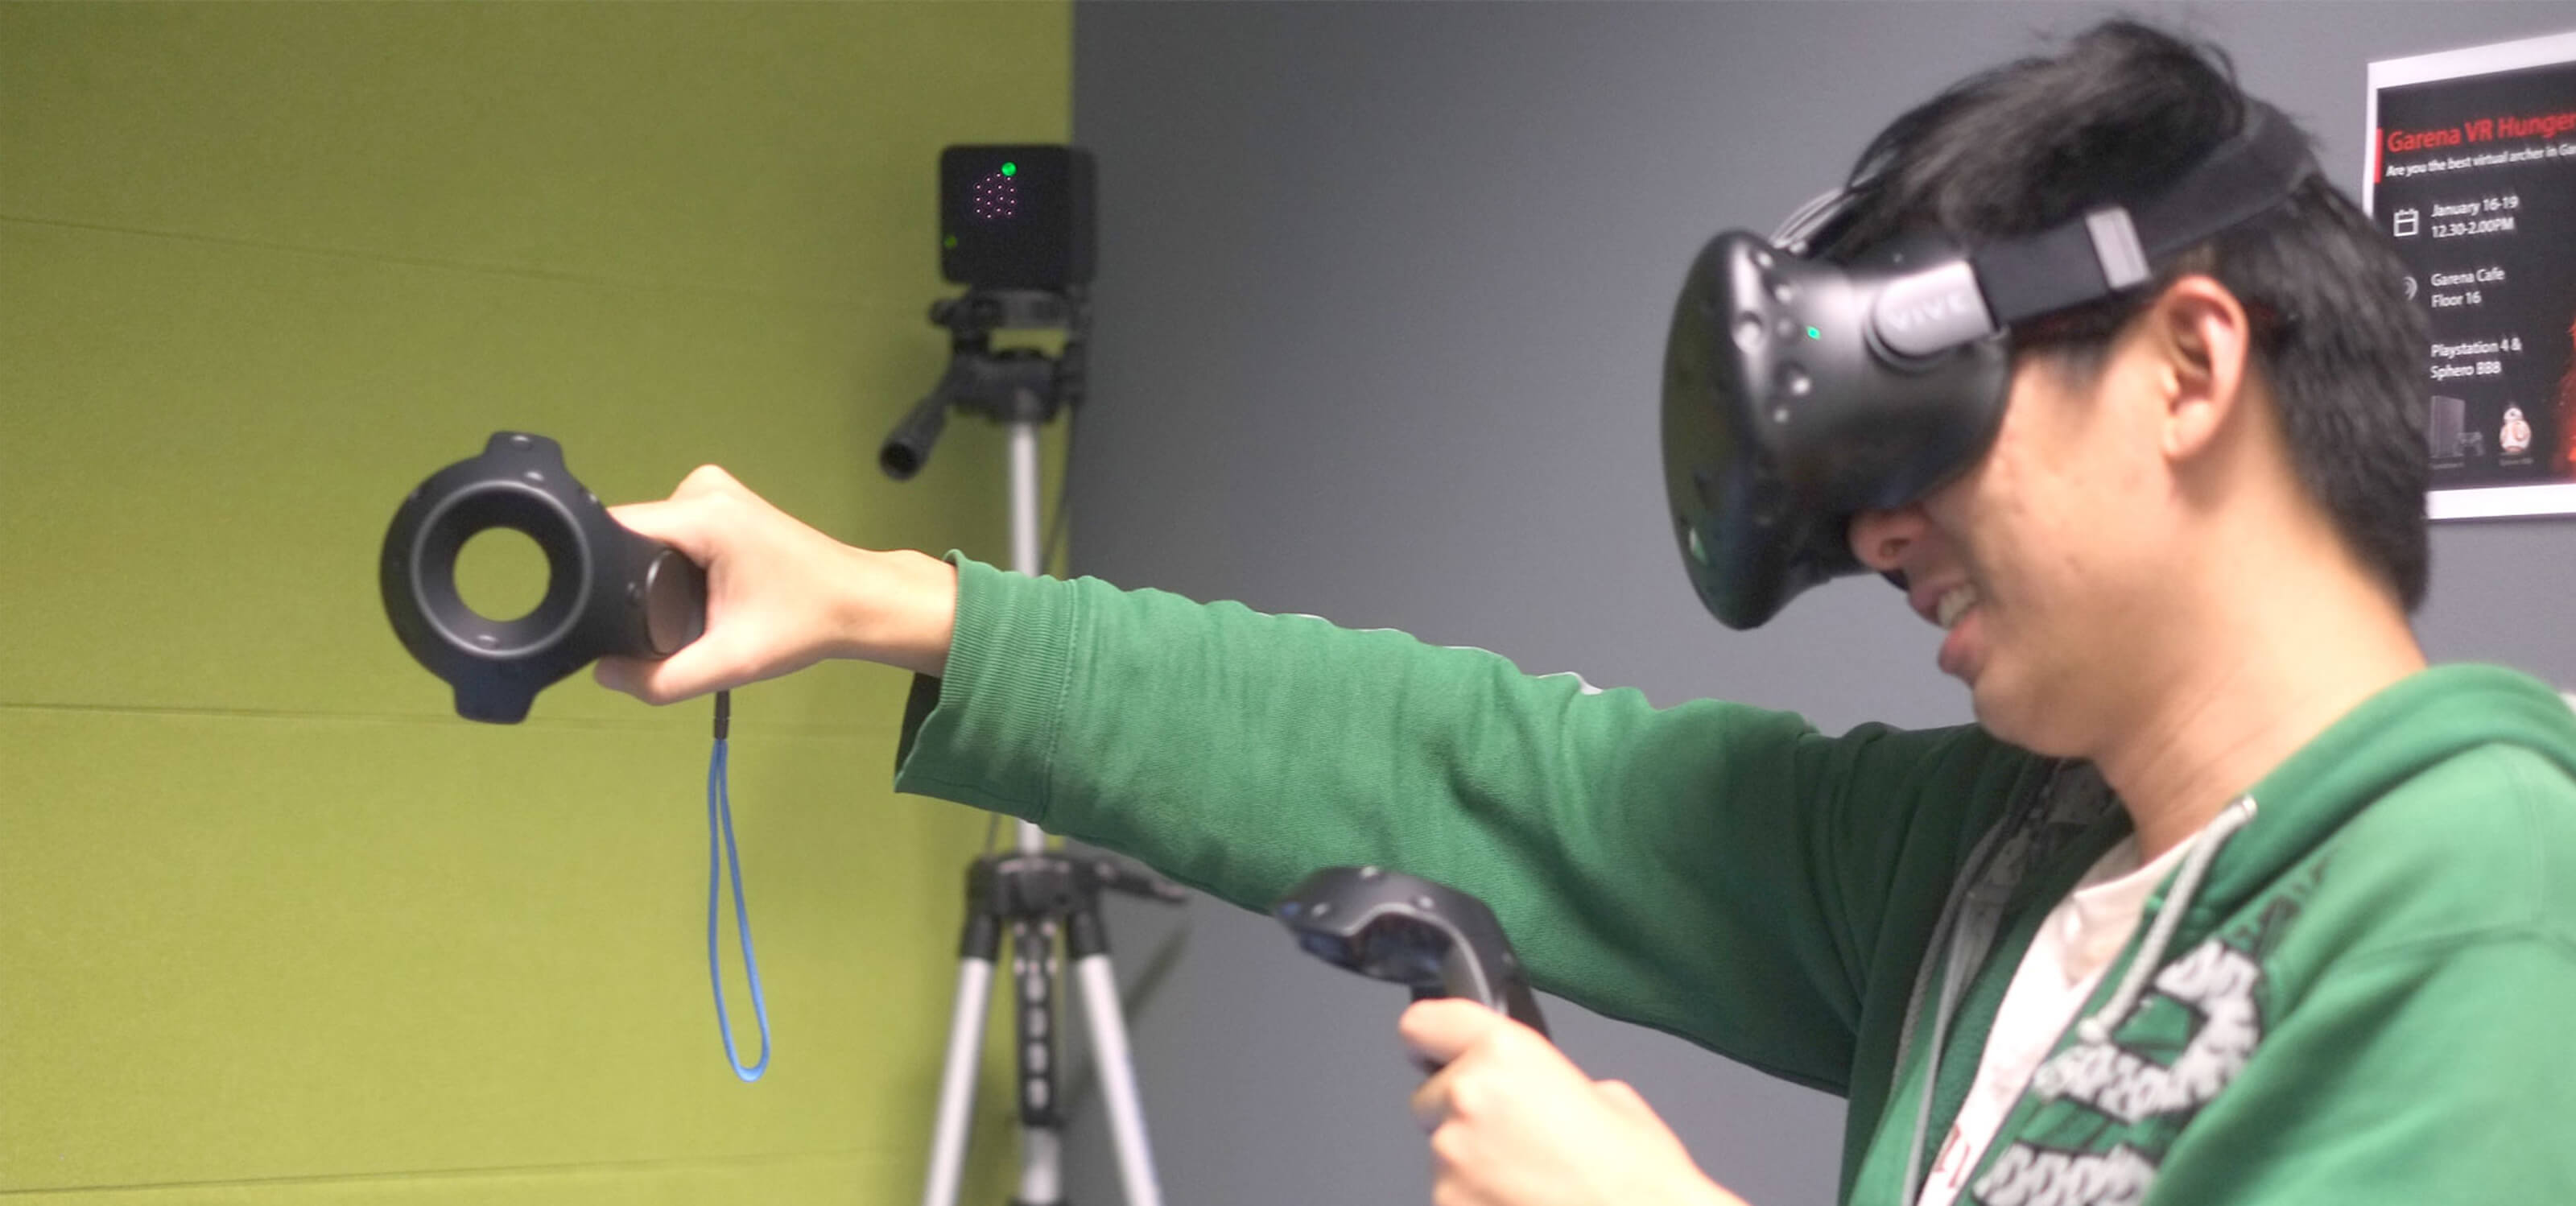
(2123, 108)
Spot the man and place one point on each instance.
(2225, 898)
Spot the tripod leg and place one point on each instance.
(1116, 1064)
(1026, 534)
(1041, 1167)
(1033, 966)
(957, 1075)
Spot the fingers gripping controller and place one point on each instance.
(608, 590)
(1387, 925)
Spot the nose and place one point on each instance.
(1880, 539)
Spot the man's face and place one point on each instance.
(2047, 562)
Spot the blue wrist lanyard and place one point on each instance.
(720, 826)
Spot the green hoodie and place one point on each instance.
(2363, 1000)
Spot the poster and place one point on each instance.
(2473, 173)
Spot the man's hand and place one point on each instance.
(782, 596)
(1514, 1123)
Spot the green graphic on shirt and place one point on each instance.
(2098, 1117)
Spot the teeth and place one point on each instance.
(1954, 603)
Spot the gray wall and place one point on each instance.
(1380, 315)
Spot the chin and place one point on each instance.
(2021, 717)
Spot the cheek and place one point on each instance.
(2045, 513)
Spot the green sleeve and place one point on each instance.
(2439, 1073)
(1717, 871)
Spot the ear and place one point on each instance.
(2200, 341)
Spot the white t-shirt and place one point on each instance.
(2067, 957)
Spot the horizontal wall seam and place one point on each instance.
(851, 733)
(628, 285)
(851, 1156)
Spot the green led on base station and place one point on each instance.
(1010, 169)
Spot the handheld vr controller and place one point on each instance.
(608, 590)
(1435, 939)
(1801, 391)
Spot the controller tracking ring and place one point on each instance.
(608, 589)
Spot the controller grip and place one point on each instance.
(1505, 992)
(674, 593)
(1435, 939)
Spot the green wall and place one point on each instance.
(278, 926)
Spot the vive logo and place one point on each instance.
(1929, 312)
(1945, 308)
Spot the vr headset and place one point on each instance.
(1801, 391)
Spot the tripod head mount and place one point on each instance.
(1012, 385)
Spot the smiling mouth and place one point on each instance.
(1954, 603)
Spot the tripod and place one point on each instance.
(1038, 895)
